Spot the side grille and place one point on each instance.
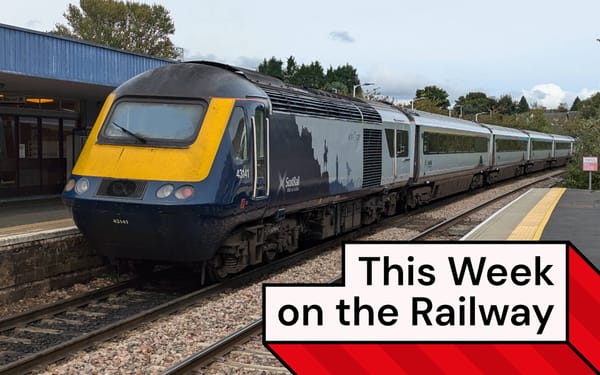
(371, 157)
(121, 188)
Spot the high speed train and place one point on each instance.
(222, 167)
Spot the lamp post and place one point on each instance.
(412, 102)
(359, 85)
(480, 113)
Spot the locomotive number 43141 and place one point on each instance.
(120, 221)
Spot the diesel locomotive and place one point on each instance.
(222, 167)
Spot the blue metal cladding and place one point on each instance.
(37, 54)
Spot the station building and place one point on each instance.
(51, 90)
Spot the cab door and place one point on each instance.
(260, 147)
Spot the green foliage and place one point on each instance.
(536, 120)
(291, 68)
(587, 133)
(272, 67)
(476, 102)
(590, 108)
(125, 25)
(430, 106)
(523, 106)
(309, 76)
(340, 80)
(437, 96)
(505, 105)
(576, 104)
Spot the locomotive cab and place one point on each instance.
(170, 167)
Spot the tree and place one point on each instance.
(342, 79)
(587, 133)
(576, 104)
(523, 106)
(427, 105)
(291, 68)
(272, 67)
(590, 108)
(129, 26)
(536, 120)
(309, 76)
(476, 102)
(437, 96)
(505, 105)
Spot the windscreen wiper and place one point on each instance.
(127, 131)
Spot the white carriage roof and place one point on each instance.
(389, 113)
(510, 132)
(537, 135)
(564, 138)
(444, 122)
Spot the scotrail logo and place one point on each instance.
(288, 184)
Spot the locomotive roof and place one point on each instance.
(189, 80)
(444, 122)
(220, 80)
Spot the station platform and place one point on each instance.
(24, 217)
(550, 214)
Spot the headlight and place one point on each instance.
(70, 185)
(82, 185)
(184, 192)
(164, 191)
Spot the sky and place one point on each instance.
(544, 50)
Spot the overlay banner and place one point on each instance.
(451, 307)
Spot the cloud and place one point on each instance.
(341, 36)
(33, 24)
(551, 95)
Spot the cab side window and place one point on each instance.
(237, 134)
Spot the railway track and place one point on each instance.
(243, 352)
(52, 332)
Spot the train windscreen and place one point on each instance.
(153, 123)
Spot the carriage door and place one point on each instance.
(260, 139)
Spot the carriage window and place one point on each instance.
(401, 142)
(163, 123)
(563, 146)
(441, 143)
(541, 145)
(237, 133)
(507, 145)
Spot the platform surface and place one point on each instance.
(21, 217)
(555, 214)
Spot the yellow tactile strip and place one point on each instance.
(532, 225)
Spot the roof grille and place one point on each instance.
(317, 104)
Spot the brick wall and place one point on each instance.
(28, 269)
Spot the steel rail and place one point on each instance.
(107, 332)
(223, 346)
(60, 351)
(478, 207)
(244, 334)
(64, 305)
